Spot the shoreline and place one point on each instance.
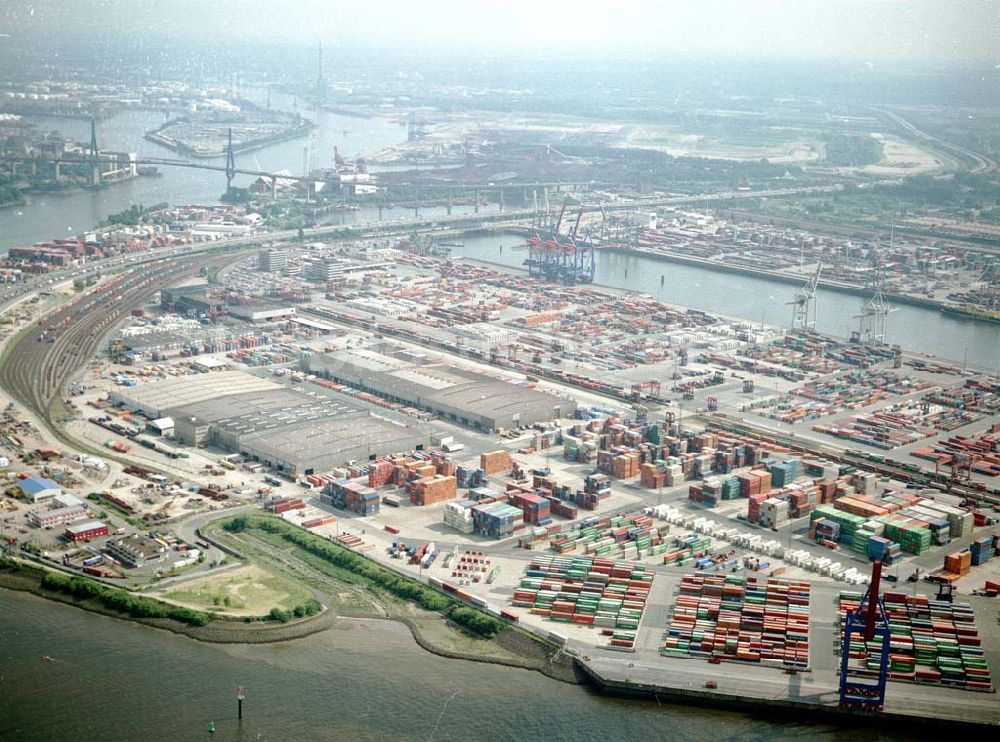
(236, 631)
(572, 671)
(837, 286)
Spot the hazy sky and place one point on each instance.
(939, 31)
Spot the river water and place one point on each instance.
(367, 680)
(764, 300)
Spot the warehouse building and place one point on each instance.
(85, 531)
(293, 432)
(136, 550)
(190, 301)
(155, 398)
(461, 395)
(37, 489)
(260, 312)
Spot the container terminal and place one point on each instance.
(690, 505)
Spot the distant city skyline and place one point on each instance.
(875, 31)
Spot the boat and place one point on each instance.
(46, 658)
(452, 244)
(971, 311)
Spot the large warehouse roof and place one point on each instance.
(463, 394)
(243, 414)
(156, 397)
(327, 442)
(492, 398)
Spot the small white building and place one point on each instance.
(205, 365)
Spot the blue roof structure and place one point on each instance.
(34, 485)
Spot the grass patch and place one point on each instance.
(249, 590)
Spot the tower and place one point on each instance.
(94, 154)
(320, 80)
(230, 163)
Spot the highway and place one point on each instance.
(982, 163)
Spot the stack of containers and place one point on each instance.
(351, 494)
(536, 509)
(911, 535)
(785, 472)
(495, 462)
(879, 549)
(930, 642)
(849, 522)
(753, 506)
(958, 563)
(627, 536)
(825, 530)
(597, 484)
(589, 591)
(458, 515)
(982, 550)
(470, 478)
(432, 490)
(497, 519)
(735, 618)
(774, 512)
(279, 505)
(688, 549)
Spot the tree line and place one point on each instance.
(382, 577)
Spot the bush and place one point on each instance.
(280, 614)
(189, 616)
(111, 598)
(237, 525)
(55, 581)
(476, 621)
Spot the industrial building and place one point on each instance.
(38, 489)
(136, 550)
(461, 395)
(56, 516)
(86, 530)
(260, 312)
(293, 432)
(274, 259)
(155, 398)
(289, 430)
(191, 301)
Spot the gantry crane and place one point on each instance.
(804, 310)
(870, 625)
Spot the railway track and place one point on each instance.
(800, 445)
(40, 362)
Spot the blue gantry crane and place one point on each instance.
(869, 624)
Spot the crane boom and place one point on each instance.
(562, 211)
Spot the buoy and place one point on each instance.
(211, 727)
